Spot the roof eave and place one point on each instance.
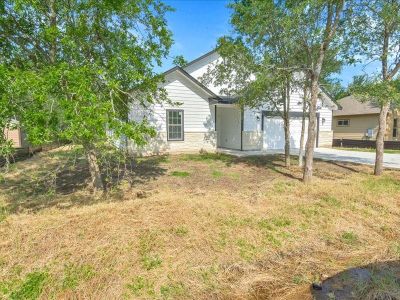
(210, 93)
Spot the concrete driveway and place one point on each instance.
(358, 157)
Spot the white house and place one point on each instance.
(206, 120)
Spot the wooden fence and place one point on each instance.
(395, 145)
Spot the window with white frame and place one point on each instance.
(175, 125)
(343, 122)
(394, 128)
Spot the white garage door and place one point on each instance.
(274, 134)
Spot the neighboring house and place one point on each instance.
(207, 120)
(17, 136)
(359, 121)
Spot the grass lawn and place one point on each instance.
(367, 150)
(201, 226)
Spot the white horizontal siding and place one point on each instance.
(325, 113)
(198, 117)
(198, 113)
(199, 68)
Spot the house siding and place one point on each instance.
(199, 126)
(360, 123)
(358, 127)
(253, 123)
(199, 68)
(15, 136)
(199, 119)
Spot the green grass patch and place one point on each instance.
(31, 287)
(209, 157)
(330, 201)
(390, 151)
(3, 213)
(310, 211)
(172, 290)
(217, 174)
(180, 174)
(272, 239)
(281, 187)
(383, 184)
(141, 286)
(349, 238)
(208, 275)
(148, 257)
(281, 221)
(299, 279)
(151, 261)
(273, 230)
(235, 221)
(180, 231)
(247, 250)
(76, 274)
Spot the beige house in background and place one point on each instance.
(359, 121)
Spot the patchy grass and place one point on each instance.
(149, 258)
(180, 174)
(217, 174)
(74, 275)
(180, 231)
(392, 151)
(233, 228)
(349, 238)
(30, 288)
(141, 286)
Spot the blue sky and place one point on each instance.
(197, 24)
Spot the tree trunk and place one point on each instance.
(380, 138)
(53, 26)
(303, 127)
(286, 122)
(309, 157)
(287, 139)
(96, 182)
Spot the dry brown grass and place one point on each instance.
(228, 228)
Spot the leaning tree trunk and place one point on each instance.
(303, 128)
(309, 157)
(96, 183)
(380, 138)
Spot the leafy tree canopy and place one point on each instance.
(76, 68)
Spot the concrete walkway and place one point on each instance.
(358, 157)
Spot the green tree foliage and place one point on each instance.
(76, 68)
(279, 46)
(376, 35)
(320, 33)
(259, 64)
(6, 118)
(180, 61)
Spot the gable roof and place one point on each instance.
(193, 80)
(351, 106)
(200, 58)
(221, 99)
(328, 99)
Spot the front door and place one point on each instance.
(229, 127)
